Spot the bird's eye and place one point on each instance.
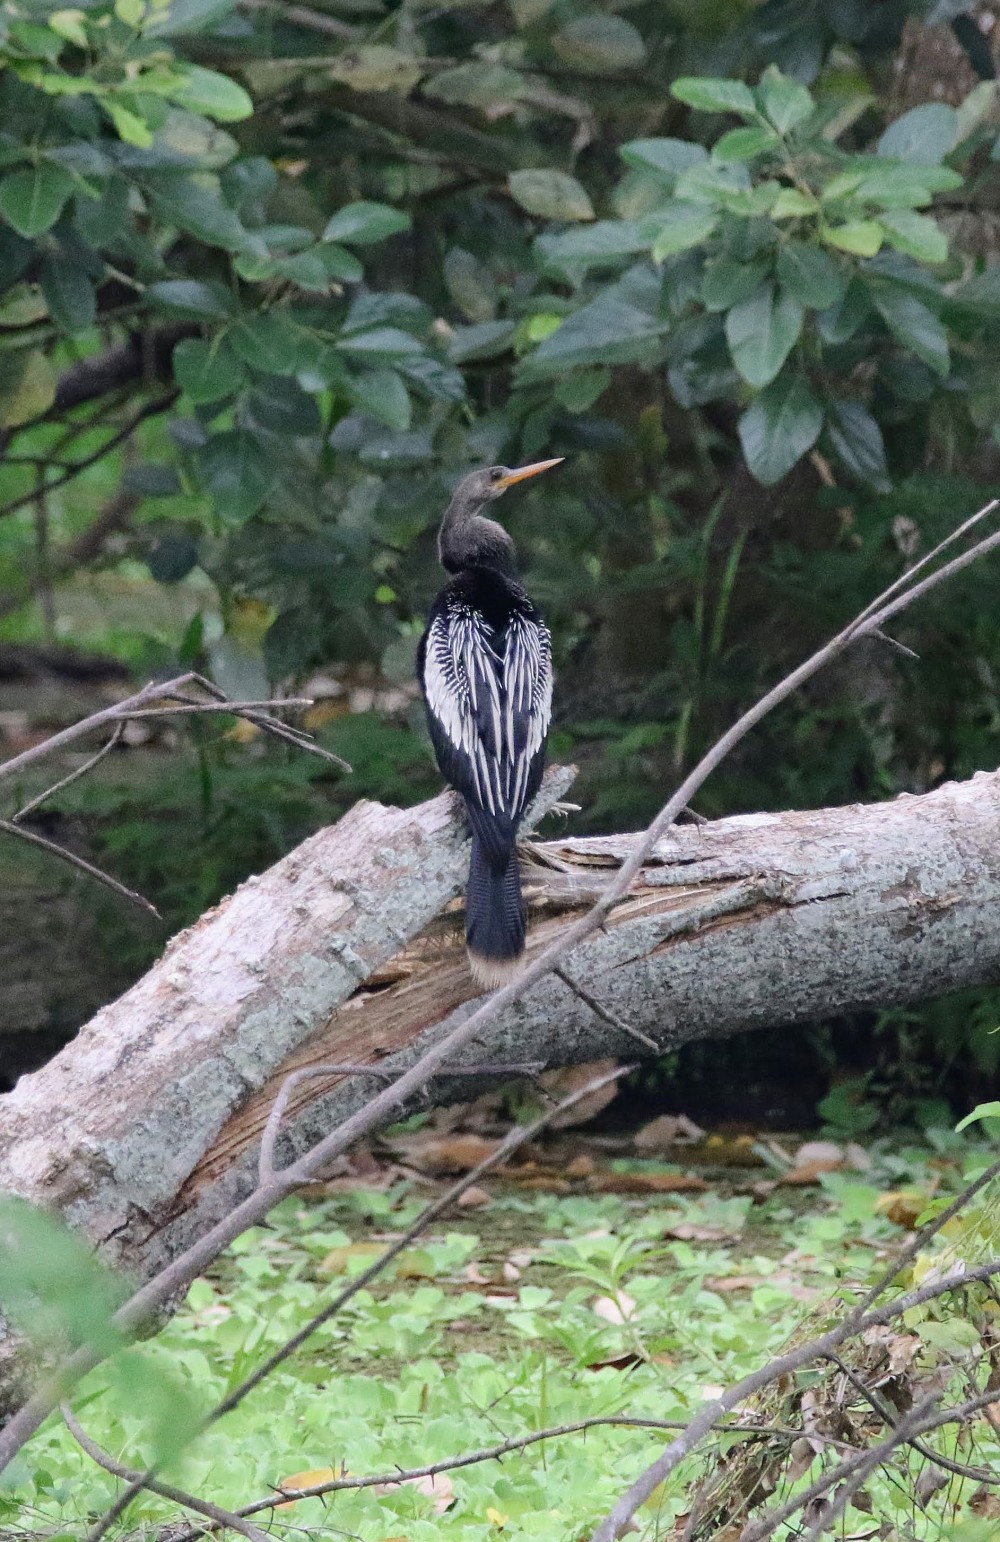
(496, 472)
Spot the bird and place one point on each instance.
(484, 665)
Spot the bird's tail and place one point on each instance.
(495, 919)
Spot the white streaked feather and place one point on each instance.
(463, 676)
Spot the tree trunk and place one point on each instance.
(146, 1128)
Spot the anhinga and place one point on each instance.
(485, 669)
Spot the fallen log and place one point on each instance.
(147, 1128)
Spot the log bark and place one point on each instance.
(147, 1127)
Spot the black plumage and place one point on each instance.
(485, 669)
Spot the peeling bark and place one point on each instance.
(146, 1128)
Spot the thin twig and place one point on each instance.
(889, 1415)
(214, 1513)
(10, 828)
(151, 409)
(168, 690)
(74, 776)
(266, 1170)
(604, 1013)
(384, 1105)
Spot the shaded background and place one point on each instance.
(307, 405)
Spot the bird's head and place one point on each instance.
(466, 537)
(481, 487)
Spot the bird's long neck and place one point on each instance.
(467, 539)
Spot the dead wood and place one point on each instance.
(146, 1129)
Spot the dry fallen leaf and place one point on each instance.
(438, 1488)
(648, 1183)
(618, 1308)
(666, 1131)
(432, 1153)
(475, 1275)
(337, 1260)
(901, 1207)
(473, 1199)
(581, 1166)
(566, 1079)
(310, 1479)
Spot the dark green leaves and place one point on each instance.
(600, 44)
(924, 135)
(237, 471)
(785, 103)
(761, 332)
(192, 297)
(669, 157)
(708, 95)
(32, 200)
(912, 322)
(207, 371)
(857, 440)
(779, 426)
(361, 224)
(69, 293)
(553, 194)
(811, 275)
(608, 331)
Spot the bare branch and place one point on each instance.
(50, 792)
(168, 690)
(10, 828)
(214, 1513)
(148, 410)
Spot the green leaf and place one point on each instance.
(608, 331)
(761, 332)
(383, 395)
(604, 241)
(980, 294)
(362, 224)
(861, 237)
(981, 1111)
(485, 340)
(727, 282)
(791, 204)
(32, 200)
(708, 94)
(783, 101)
(481, 83)
(194, 202)
(69, 24)
(27, 385)
(238, 472)
(131, 128)
(669, 157)
(380, 343)
(743, 144)
(192, 297)
(895, 185)
(841, 321)
(215, 95)
(269, 341)
(306, 269)
(917, 235)
(471, 284)
(553, 194)
(207, 371)
(281, 406)
(339, 263)
(857, 441)
(778, 428)
(811, 275)
(69, 293)
(600, 44)
(913, 323)
(678, 226)
(923, 136)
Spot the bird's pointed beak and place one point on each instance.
(523, 472)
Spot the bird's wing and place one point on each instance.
(462, 685)
(527, 706)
